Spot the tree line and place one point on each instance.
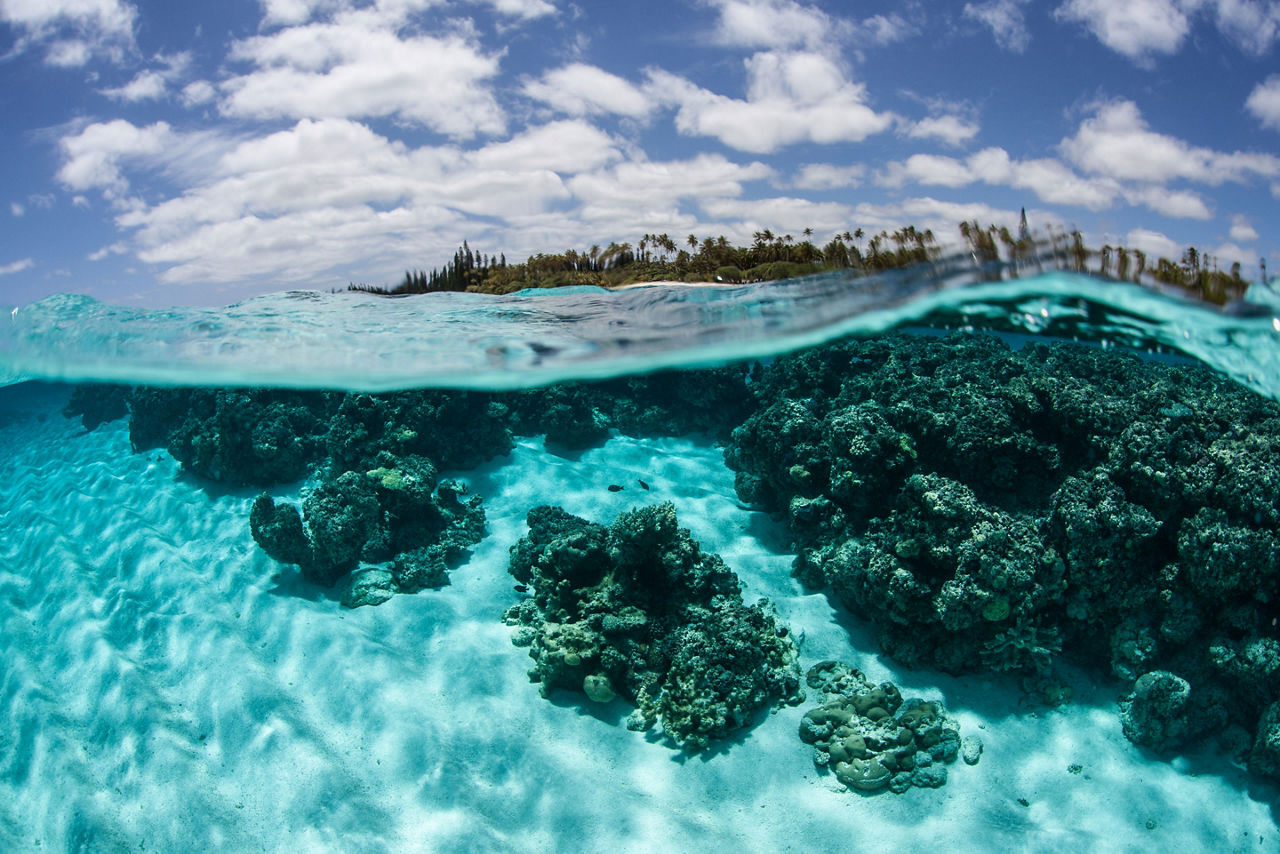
(771, 256)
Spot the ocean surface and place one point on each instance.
(170, 685)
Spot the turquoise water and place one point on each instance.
(1061, 545)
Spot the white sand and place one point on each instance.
(167, 687)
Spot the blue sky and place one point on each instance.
(172, 153)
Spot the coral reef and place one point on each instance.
(97, 403)
(398, 512)
(992, 509)
(638, 610)
(669, 403)
(873, 739)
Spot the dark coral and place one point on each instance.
(398, 512)
(992, 509)
(711, 401)
(97, 403)
(638, 610)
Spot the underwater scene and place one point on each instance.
(817, 564)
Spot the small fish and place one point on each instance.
(522, 588)
(643, 485)
(613, 487)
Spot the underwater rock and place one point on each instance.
(368, 587)
(638, 610)
(1160, 714)
(873, 739)
(254, 437)
(667, 403)
(396, 512)
(991, 509)
(950, 582)
(97, 403)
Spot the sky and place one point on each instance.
(160, 153)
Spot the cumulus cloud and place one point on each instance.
(1180, 204)
(1006, 21)
(1241, 229)
(1049, 179)
(72, 31)
(359, 66)
(1154, 243)
(16, 267)
(525, 9)
(951, 129)
(1143, 29)
(774, 24)
(1138, 29)
(827, 176)
(1116, 142)
(1253, 25)
(152, 84)
(663, 183)
(579, 90)
(1264, 102)
(300, 204)
(92, 158)
(791, 97)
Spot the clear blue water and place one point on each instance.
(168, 685)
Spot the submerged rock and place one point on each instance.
(397, 512)
(993, 510)
(637, 610)
(872, 739)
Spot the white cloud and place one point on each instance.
(827, 176)
(152, 84)
(525, 9)
(1264, 102)
(327, 194)
(579, 90)
(1154, 243)
(1254, 26)
(927, 169)
(773, 24)
(1227, 253)
(16, 267)
(941, 217)
(1006, 21)
(92, 158)
(73, 31)
(1136, 28)
(662, 184)
(566, 147)
(1181, 204)
(293, 12)
(117, 248)
(68, 53)
(146, 86)
(1142, 29)
(17, 208)
(950, 129)
(358, 66)
(885, 29)
(791, 97)
(783, 215)
(1049, 179)
(1241, 229)
(198, 92)
(1116, 142)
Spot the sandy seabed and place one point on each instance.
(167, 687)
